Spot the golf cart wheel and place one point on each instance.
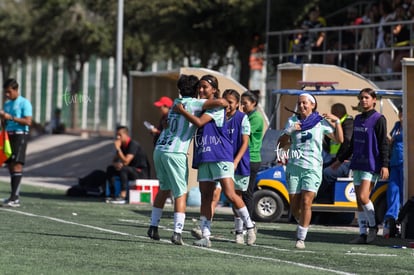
(268, 206)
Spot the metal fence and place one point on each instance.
(45, 83)
(360, 54)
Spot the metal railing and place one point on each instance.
(334, 50)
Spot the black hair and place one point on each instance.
(369, 91)
(12, 83)
(233, 93)
(338, 108)
(211, 79)
(123, 128)
(252, 95)
(187, 85)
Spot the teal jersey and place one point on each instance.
(177, 136)
(306, 148)
(245, 126)
(19, 108)
(217, 115)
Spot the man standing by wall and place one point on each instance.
(16, 118)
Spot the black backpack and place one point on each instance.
(92, 184)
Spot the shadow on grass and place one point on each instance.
(333, 236)
(91, 238)
(59, 196)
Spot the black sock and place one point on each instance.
(16, 178)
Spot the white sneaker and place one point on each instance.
(204, 242)
(240, 238)
(10, 203)
(118, 200)
(300, 244)
(196, 233)
(251, 236)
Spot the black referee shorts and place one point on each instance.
(18, 142)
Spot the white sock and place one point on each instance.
(370, 213)
(156, 216)
(301, 232)
(179, 220)
(362, 222)
(205, 226)
(238, 224)
(244, 215)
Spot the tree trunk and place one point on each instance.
(74, 100)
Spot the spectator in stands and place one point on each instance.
(321, 19)
(384, 36)
(348, 39)
(410, 11)
(401, 38)
(367, 40)
(313, 40)
(256, 62)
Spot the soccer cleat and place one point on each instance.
(119, 200)
(239, 238)
(251, 236)
(372, 234)
(361, 239)
(300, 244)
(255, 228)
(392, 226)
(204, 242)
(153, 233)
(177, 239)
(11, 203)
(196, 233)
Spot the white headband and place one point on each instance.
(311, 98)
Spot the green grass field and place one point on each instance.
(55, 234)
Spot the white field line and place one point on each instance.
(207, 249)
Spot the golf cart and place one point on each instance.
(271, 199)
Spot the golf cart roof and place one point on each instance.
(339, 92)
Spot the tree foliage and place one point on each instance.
(14, 34)
(200, 31)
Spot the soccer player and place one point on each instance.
(305, 131)
(213, 156)
(170, 157)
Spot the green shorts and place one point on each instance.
(299, 179)
(359, 176)
(214, 171)
(172, 172)
(241, 182)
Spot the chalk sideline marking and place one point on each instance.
(142, 237)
